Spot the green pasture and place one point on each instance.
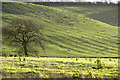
(68, 28)
(69, 31)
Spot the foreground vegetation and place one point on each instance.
(43, 67)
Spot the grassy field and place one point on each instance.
(69, 28)
(43, 67)
(70, 31)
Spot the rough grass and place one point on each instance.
(58, 68)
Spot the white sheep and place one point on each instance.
(74, 26)
(87, 40)
(112, 35)
(11, 14)
(83, 36)
(108, 47)
(69, 49)
(97, 12)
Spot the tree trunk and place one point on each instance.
(25, 50)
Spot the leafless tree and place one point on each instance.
(22, 32)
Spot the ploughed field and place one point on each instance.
(45, 67)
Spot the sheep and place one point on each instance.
(74, 26)
(83, 21)
(115, 24)
(69, 49)
(65, 5)
(113, 16)
(112, 35)
(83, 36)
(11, 14)
(97, 31)
(104, 29)
(97, 12)
(87, 40)
(108, 47)
(104, 19)
(106, 35)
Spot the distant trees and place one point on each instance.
(22, 32)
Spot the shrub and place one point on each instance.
(114, 60)
(110, 59)
(77, 59)
(90, 59)
(24, 59)
(19, 59)
(99, 64)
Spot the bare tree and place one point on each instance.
(22, 31)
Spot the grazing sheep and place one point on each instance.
(65, 5)
(83, 22)
(113, 16)
(115, 24)
(104, 29)
(108, 47)
(83, 36)
(97, 12)
(69, 49)
(112, 35)
(11, 14)
(104, 19)
(74, 26)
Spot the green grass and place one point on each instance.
(97, 12)
(57, 68)
(63, 28)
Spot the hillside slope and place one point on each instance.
(68, 32)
